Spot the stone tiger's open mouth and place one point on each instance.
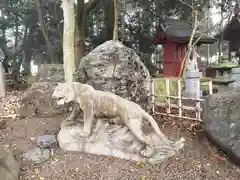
(60, 100)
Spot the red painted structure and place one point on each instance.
(174, 35)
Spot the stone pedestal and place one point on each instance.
(192, 81)
(235, 76)
(114, 140)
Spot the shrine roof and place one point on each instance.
(232, 30)
(180, 30)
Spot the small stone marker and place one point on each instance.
(37, 155)
(47, 141)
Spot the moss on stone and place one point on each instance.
(225, 65)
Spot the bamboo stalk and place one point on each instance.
(188, 108)
(168, 94)
(183, 117)
(176, 97)
(179, 97)
(153, 97)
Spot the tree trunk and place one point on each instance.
(5, 64)
(116, 19)
(28, 51)
(43, 29)
(16, 33)
(68, 39)
(109, 19)
(79, 46)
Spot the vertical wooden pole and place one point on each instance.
(221, 33)
(208, 25)
(168, 94)
(153, 95)
(210, 86)
(179, 97)
(198, 104)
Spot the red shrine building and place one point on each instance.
(174, 36)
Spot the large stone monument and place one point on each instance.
(116, 68)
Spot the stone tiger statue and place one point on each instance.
(97, 103)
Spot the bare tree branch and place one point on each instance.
(190, 46)
(187, 55)
(208, 30)
(43, 29)
(187, 4)
(193, 42)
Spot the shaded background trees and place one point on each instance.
(31, 30)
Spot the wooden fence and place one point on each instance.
(168, 106)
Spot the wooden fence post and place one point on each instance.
(198, 104)
(153, 95)
(168, 94)
(210, 86)
(179, 97)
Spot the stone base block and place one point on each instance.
(114, 140)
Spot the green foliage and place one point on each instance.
(226, 65)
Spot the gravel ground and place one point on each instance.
(197, 161)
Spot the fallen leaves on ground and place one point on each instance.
(9, 105)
